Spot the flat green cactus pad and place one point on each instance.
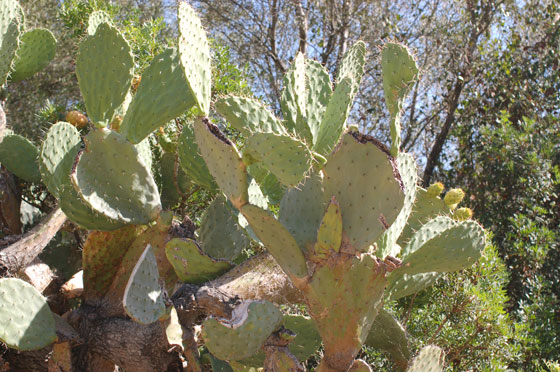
(302, 209)
(113, 180)
(288, 158)
(388, 334)
(223, 161)
(37, 49)
(19, 155)
(174, 181)
(95, 19)
(404, 285)
(329, 236)
(58, 153)
(143, 298)
(191, 264)
(425, 208)
(195, 55)
(277, 240)
(77, 210)
(162, 95)
(101, 257)
(248, 115)
(318, 94)
(428, 231)
(364, 179)
(453, 249)
(352, 65)
(307, 340)
(220, 233)
(145, 153)
(430, 359)
(243, 336)
(104, 67)
(409, 175)
(334, 119)
(11, 23)
(268, 183)
(26, 322)
(293, 99)
(399, 71)
(190, 160)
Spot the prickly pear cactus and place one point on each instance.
(430, 359)
(143, 299)
(243, 336)
(25, 318)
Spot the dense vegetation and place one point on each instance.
(483, 116)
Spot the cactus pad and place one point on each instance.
(242, 337)
(329, 236)
(293, 100)
(399, 71)
(104, 68)
(191, 264)
(453, 249)
(95, 19)
(302, 209)
(318, 94)
(113, 180)
(425, 208)
(307, 340)
(286, 157)
(277, 240)
(352, 65)
(409, 175)
(19, 155)
(223, 161)
(81, 213)
(405, 285)
(58, 152)
(219, 232)
(389, 335)
(11, 22)
(35, 52)
(195, 55)
(430, 359)
(248, 116)
(190, 160)
(101, 257)
(161, 96)
(143, 298)
(334, 119)
(26, 322)
(364, 179)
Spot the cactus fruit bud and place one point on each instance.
(462, 214)
(77, 119)
(435, 189)
(116, 123)
(353, 128)
(453, 198)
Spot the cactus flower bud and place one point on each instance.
(435, 189)
(453, 198)
(462, 214)
(77, 119)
